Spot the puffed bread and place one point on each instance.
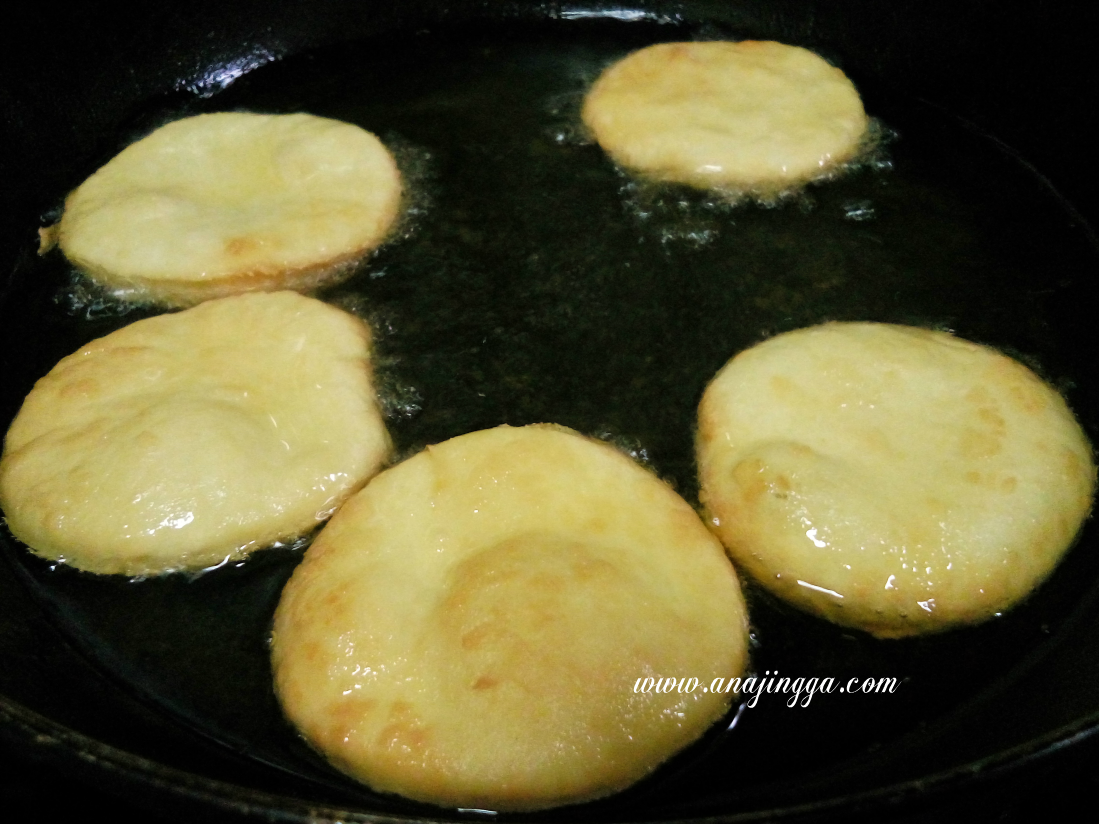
(889, 478)
(184, 440)
(469, 628)
(219, 204)
(751, 117)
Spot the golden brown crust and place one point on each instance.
(182, 440)
(755, 117)
(892, 479)
(469, 629)
(216, 204)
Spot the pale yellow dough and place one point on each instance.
(219, 204)
(889, 478)
(186, 439)
(468, 629)
(753, 116)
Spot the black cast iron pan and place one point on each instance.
(532, 281)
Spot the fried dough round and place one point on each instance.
(219, 204)
(753, 116)
(187, 439)
(469, 628)
(889, 478)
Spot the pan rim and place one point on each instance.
(42, 738)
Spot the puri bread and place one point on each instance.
(753, 116)
(469, 628)
(219, 204)
(889, 478)
(186, 439)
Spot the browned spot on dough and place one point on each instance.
(311, 652)
(1061, 528)
(598, 525)
(548, 582)
(937, 508)
(80, 388)
(1073, 465)
(978, 396)
(977, 444)
(874, 439)
(780, 486)
(1025, 389)
(476, 636)
(784, 387)
(400, 709)
(707, 423)
(486, 682)
(346, 715)
(992, 418)
(1009, 483)
(748, 475)
(587, 569)
(973, 477)
(405, 733)
(332, 610)
(1029, 402)
(239, 246)
(681, 51)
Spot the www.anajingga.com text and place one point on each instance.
(799, 690)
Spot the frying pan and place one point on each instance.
(974, 215)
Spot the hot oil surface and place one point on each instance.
(536, 282)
